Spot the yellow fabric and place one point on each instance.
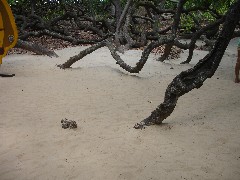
(8, 28)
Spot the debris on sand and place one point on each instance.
(68, 124)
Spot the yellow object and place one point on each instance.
(8, 29)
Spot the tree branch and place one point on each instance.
(36, 48)
(194, 77)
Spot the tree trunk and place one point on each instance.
(35, 48)
(197, 35)
(139, 65)
(167, 51)
(118, 33)
(168, 47)
(118, 9)
(136, 69)
(81, 55)
(177, 16)
(194, 77)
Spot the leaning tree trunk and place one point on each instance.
(194, 77)
(81, 55)
(36, 48)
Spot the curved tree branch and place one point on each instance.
(197, 35)
(136, 69)
(194, 77)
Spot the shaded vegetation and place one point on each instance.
(121, 25)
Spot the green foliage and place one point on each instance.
(187, 22)
(11, 2)
(169, 4)
(100, 8)
(52, 8)
(219, 6)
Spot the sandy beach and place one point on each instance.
(199, 141)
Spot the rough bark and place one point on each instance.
(58, 36)
(113, 50)
(166, 53)
(208, 42)
(168, 47)
(136, 69)
(194, 77)
(35, 48)
(121, 23)
(118, 9)
(127, 27)
(177, 16)
(197, 35)
(130, 41)
(81, 55)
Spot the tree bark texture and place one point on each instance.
(113, 49)
(177, 16)
(136, 69)
(197, 35)
(81, 55)
(176, 22)
(35, 48)
(118, 9)
(166, 53)
(120, 23)
(194, 77)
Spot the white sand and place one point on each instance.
(200, 140)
